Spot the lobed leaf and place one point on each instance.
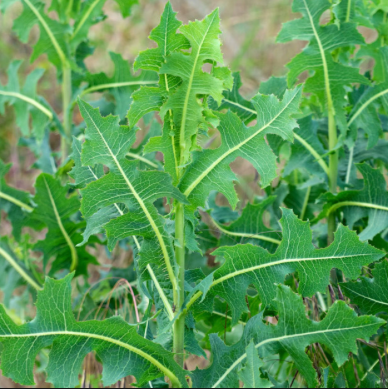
(371, 202)
(338, 331)
(252, 265)
(54, 210)
(107, 143)
(330, 78)
(32, 113)
(121, 350)
(210, 169)
(371, 295)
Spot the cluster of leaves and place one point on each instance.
(299, 292)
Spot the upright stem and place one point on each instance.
(179, 325)
(66, 98)
(333, 169)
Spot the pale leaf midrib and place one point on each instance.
(16, 201)
(186, 103)
(142, 205)
(356, 204)
(281, 262)
(266, 265)
(309, 148)
(116, 85)
(239, 360)
(74, 255)
(324, 62)
(246, 235)
(135, 350)
(85, 18)
(28, 100)
(19, 269)
(152, 274)
(195, 183)
(55, 43)
(365, 105)
(368, 298)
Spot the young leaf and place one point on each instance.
(338, 331)
(26, 102)
(250, 375)
(330, 77)
(54, 210)
(252, 265)
(371, 202)
(16, 203)
(371, 295)
(108, 143)
(210, 169)
(122, 351)
(188, 111)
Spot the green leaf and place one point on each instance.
(250, 375)
(121, 85)
(122, 351)
(126, 6)
(152, 99)
(330, 78)
(108, 143)
(236, 103)
(252, 265)
(371, 202)
(371, 295)
(338, 331)
(167, 39)
(55, 210)
(26, 102)
(307, 152)
(188, 111)
(365, 114)
(53, 36)
(15, 203)
(250, 228)
(210, 169)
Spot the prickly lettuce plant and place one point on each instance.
(289, 288)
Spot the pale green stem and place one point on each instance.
(180, 253)
(356, 204)
(17, 267)
(98, 88)
(245, 235)
(16, 202)
(28, 100)
(66, 99)
(350, 164)
(140, 158)
(322, 302)
(305, 203)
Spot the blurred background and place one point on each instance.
(249, 33)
